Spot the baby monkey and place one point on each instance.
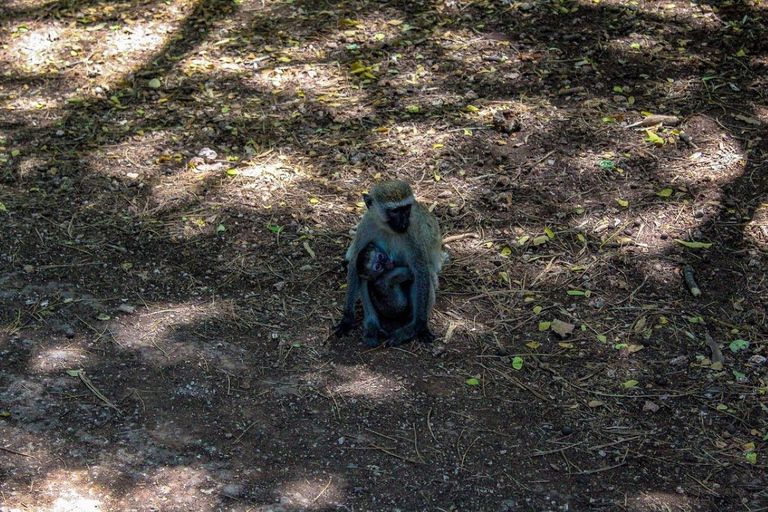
(389, 286)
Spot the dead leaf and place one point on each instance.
(650, 406)
(562, 328)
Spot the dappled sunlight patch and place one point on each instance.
(359, 381)
(173, 488)
(163, 335)
(756, 230)
(318, 493)
(59, 358)
(74, 491)
(34, 47)
(652, 501)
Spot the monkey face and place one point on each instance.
(399, 218)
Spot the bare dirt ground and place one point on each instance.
(177, 184)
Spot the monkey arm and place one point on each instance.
(348, 321)
(396, 277)
(371, 325)
(422, 295)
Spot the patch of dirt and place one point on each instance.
(178, 181)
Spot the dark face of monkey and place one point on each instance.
(372, 263)
(399, 218)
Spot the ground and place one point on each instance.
(178, 182)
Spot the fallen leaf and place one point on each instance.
(650, 407)
(562, 328)
(629, 384)
(694, 245)
(737, 345)
(595, 403)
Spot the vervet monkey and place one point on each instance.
(388, 285)
(410, 235)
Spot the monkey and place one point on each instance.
(410, 235)
(390, 284)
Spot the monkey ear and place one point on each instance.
(368, 200)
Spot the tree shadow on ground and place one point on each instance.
(226, 362)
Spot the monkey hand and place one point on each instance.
(410, 332)
(371, 333)
(343, 327)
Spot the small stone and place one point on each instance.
(567, 430)
(29, 269)
(679, 361)
(757, 360)
(597, 303)
(126, 308)
(207, 153)
(69, 332)
(699, 214)
(233, 490)
(664, 236)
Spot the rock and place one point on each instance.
(207, 153)
(757, 360)
(126, 308)
(679, 361)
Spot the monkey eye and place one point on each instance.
(377, 267)
(380, 257)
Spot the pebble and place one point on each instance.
(208, 154)
(757, 359)
(126, 308)
(679, 361)
(233, 490)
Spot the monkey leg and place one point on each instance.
(371, 326)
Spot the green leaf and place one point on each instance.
(412, 109)
(539, 240)
(536, 310)
(549, 233)
(275, 229)
(2, 207)
(15, 152)
(739, 344)
(620, 346)
(630, 384)
(664, 193)
(472, 382)
(694, 245)
(155, 83)
(751, 457)
(379, 37)
(74, 373)
(517, 362)
(602, 338)
(738, 375)
(220, 228)
(722, 407)
(575, 292)
(103, 317)
(543, 326)
(653, 138)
